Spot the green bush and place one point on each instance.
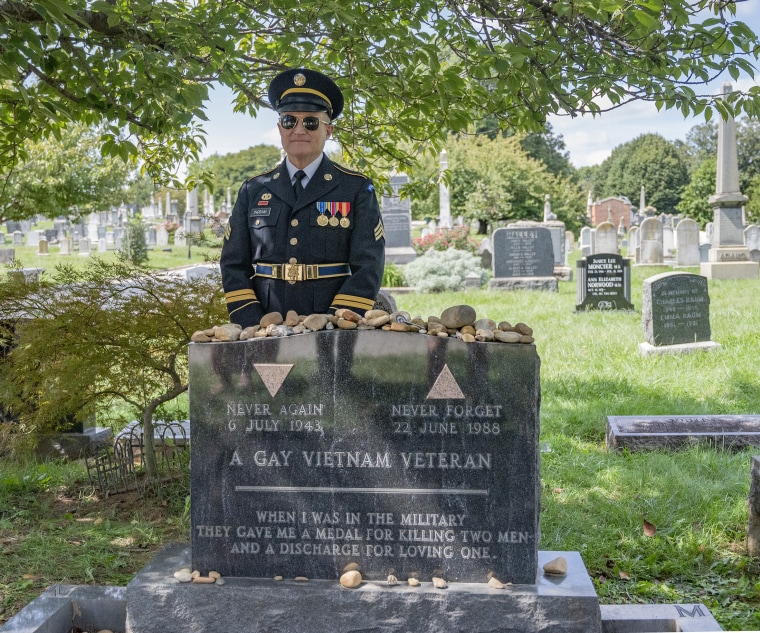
(393, 276)
(438, 271)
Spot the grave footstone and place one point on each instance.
(676, 314)
(658, 432)
(604, 283)
(523, 258)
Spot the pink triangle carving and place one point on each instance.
(272, 376)
(445, 386)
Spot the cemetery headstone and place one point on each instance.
(51, 235)
(729, 256)
(162, 236)
(633, 243)
(606, 239)
(687, 243)
(668, 240)
(523, 257)
(42, 247)
(307, 457)
(102, 245)
(557, 232)
(397, 222)
(7, 255)
(650, 236)
(33, 238)
(752, 237)
(64, 246)
(604, 282)
(676, 311)
(84, 247)
(18, 238)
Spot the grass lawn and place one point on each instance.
(54, 529)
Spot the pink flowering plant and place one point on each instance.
(457, 238)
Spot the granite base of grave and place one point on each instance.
(647, 349)
(729, 270)
(563, 273)
(656, 432)
(400, 254)
(560, 604)
(549, 284)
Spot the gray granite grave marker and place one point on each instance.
(392, 451)
(523, 252)
(397, 222)
(653, 432)
(675, 309)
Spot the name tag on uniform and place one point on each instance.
(261, 212)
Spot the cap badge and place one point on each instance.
(328, 176)
(299, 79)
(266, 196)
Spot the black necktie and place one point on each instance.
(297, 185)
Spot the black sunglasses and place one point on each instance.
(310, 123)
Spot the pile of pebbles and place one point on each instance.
(457, 322)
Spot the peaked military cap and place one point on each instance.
(304, 90)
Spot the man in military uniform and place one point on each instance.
(306, 236)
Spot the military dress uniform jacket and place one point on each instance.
(335, 253)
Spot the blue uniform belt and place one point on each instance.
(301, 272)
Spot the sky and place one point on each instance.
(589, 140)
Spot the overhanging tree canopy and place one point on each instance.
(411, 69)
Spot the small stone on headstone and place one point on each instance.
(351, 579)
(556, 566)
(456, 317)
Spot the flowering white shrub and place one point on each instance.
(437, 271)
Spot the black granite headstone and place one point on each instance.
(604, 282)
(523, 252)
(675, 309)
(403, 453)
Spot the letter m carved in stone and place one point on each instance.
(696, 612)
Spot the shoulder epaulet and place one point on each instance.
(264, 173)
(350, 172)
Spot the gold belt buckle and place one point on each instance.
(293, 273)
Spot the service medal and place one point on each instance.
(322, 219)
(345, 209)
(334, 221)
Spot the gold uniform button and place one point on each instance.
(258, 222)
(294, 222)
(294, 240)
(292, 260)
